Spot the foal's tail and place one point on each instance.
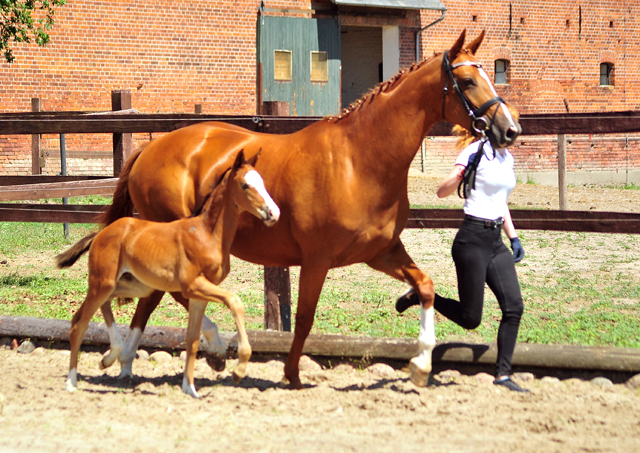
(121, 206)
(68, 257)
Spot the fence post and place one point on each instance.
(122, 143)
(37, 161)
(562, 171)
(277, 282)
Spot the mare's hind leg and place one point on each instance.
(398, 264)
(117, 345)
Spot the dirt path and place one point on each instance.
(343, 409)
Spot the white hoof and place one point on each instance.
(188, 388)
(419, 376)
(126, 371)
(72, 381)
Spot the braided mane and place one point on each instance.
(380, 88)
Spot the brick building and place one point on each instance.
(546, 57)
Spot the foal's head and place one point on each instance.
(249, 191)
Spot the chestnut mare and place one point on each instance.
(132, 258)
(341, 183)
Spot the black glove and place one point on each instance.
(518, 251)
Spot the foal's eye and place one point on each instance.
(244, 186)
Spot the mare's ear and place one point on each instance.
(254, 159)
(457, 47)
(239, 160)
(473, 47)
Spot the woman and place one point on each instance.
(480, 254)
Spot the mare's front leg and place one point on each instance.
(115, 340)
(312, 278)
(398, 264)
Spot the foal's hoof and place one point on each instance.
(418, 376)
(216, 361)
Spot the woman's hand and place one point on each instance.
(518, 251)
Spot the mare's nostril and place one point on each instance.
(512, 133)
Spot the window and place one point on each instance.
(319, 67)
(501, 72)
(282, 65)
(606, 74)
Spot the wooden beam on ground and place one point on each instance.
(58, 189)
(42, 179)
(338, 346)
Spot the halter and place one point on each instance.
(479, 124)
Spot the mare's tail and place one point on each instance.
(68, 257)
(121, 206)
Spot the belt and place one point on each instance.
(484, 222)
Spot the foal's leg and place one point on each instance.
(96, 297)
(398, 264)
(215, 349)
(115, 340)
(145, 307)
(201, 288)
(196, 312)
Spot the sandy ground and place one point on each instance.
(342, 409)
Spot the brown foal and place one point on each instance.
(133, 257)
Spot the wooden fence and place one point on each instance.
(124, 121)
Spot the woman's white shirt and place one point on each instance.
(495, 179)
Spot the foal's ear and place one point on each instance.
(457, 46)
(239, 160)
(473, 47)
(254, 159)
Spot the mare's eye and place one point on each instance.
(468, 82)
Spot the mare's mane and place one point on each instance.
(382, 87)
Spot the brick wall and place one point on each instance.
(173, 55)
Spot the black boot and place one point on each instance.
(508, 383)
(407, 300)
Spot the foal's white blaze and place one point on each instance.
(254, 179)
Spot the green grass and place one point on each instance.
(578, 289)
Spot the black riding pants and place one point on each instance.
(480, 256)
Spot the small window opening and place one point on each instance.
(567, 23)
(282, 65)
(606, 74)
(474, 18)
(610, 24)
(501, 72)
(319, 67)
(522, 20)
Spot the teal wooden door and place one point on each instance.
(299, 62)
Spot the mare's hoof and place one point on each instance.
(216, 361)
(418, 376)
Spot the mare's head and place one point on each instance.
(249, 191)
(470, 99)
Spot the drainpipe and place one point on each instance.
(423, 148)
(423, 29)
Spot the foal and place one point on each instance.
(133, 257)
